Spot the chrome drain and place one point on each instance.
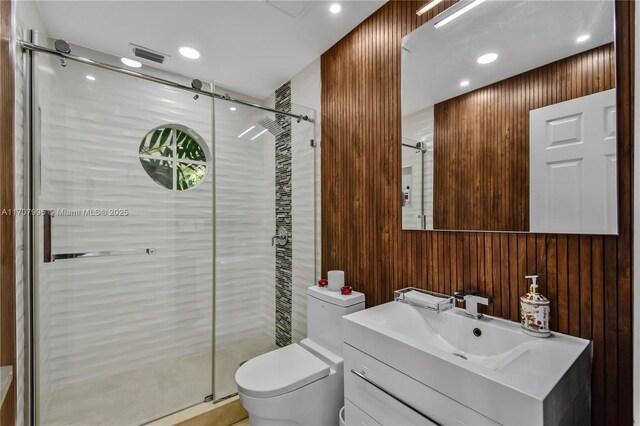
(461, 356)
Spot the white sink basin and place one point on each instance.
(500, 342)
(502, 373)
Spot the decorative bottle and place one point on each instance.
(534, 311)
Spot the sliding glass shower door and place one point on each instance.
(265, 232)
(123, 294)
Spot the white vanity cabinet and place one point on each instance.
(405, 365)
(389, 397)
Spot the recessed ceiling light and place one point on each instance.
(487, 58)
(335, 8)
(458, 13)
(464, 83)
(427, 7)
(189, 52)
(131, 63)
(232, 108)
(583, 37)
(259, 134)
(246, 131)
(91, 78)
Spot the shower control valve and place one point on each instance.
(281, 237)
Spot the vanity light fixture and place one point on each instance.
(131, 63)
(91, 78)
(427, 7)
(246, 131)
(458, 13)
(583, 37)
(464, 83)
(189, 52)
(335, 8)
(259, 134)
(487, 58)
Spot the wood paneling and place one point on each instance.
(481, 141)
(587, 277)
(7, 223)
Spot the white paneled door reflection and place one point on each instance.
(573, 166)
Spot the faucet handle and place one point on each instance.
(461, 295)
(471, 301)
(282, 236)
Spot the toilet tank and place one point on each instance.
(325, 310)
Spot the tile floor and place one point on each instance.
(143, 395)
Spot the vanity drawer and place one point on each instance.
(353, 416)
(391, 397)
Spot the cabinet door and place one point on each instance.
(354, 416)
(390, 397)
(387, 410)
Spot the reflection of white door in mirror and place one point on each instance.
(573, 166)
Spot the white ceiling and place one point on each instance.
(524, 34)
(252, 46)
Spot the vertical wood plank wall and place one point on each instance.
(481, 141)
(7, 224)
(587, 277)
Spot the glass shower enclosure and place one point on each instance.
(265, 171)
(155, 273)
(123, 298)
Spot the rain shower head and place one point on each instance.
(271, 126)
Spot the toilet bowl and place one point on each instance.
(301, 384)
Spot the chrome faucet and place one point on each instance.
(471, 301)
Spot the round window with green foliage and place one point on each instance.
(175, 157)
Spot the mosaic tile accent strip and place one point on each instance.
(283, 217)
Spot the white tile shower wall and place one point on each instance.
(103, 316)
(305, 94)
(418, 127)
(305, 180)
(245, 202)
(27, 16)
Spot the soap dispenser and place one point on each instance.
(534, 311)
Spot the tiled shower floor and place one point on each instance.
(143, 395)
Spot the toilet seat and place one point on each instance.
(279, 372)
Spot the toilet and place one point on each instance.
(302, 384)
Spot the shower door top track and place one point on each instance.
(196, 88)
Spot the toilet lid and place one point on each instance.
(280, 371)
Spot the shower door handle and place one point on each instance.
(85, 254)
(49, 257)
(48, 214)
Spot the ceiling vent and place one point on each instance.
(295, 9)
(148, 55)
